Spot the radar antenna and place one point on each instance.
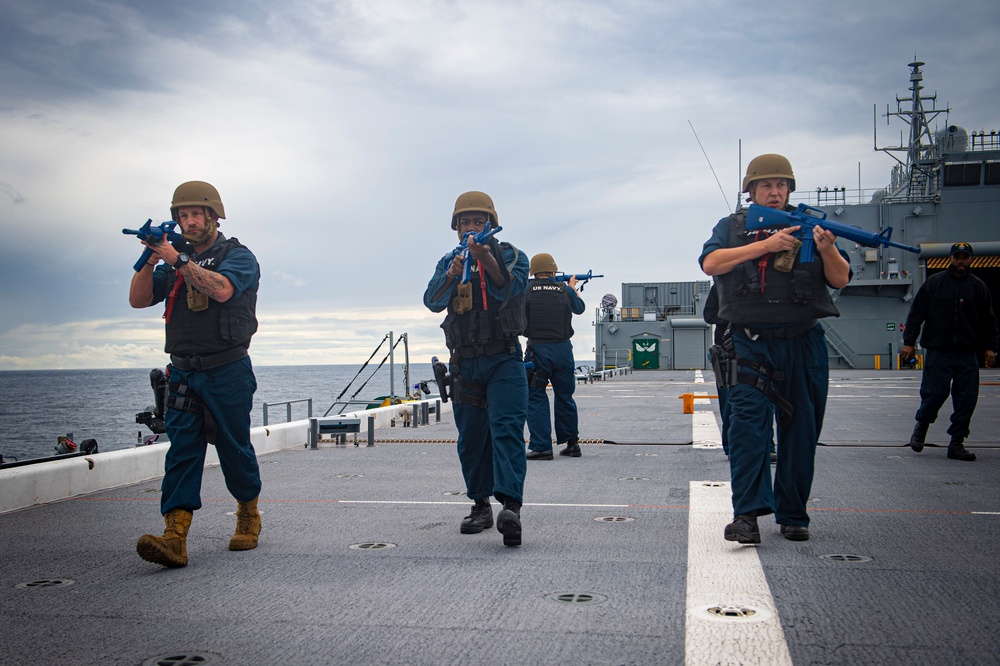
(917, 176)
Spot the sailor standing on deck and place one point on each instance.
(549, 308)
(489, 386)
(955, 309)
(211, 299)
(780, 352)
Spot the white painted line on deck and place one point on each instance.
(728, 576)
(705, 432)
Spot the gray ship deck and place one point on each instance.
(623, 562)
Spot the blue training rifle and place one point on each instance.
(153, 236)
(463, 249)
(582, 278)
(807, 217)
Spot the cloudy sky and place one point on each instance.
(339, 134)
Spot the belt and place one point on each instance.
(208, 361)
(489, 349)
(778, 333)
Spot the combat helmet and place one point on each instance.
(769, 166)
(197, 193)
(475, 202)
(543, 263)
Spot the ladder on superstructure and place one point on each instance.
(840, 345)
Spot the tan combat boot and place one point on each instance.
(170, 550)
(247, 526)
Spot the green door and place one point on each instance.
(646, 354)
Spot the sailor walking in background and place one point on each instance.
(955, 310)
(773, 301)
(488, 383)
(549, 309)
(210, 314)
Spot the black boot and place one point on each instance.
(509, 522)
(743, 529)
(480, 518)
(917, 438)
(572, 448)
(957, 451)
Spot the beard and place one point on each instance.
(211, 226)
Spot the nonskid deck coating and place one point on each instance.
(610, 559)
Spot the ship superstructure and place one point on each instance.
(944, 188)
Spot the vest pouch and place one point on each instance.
(483, 327)
(452, 334)
(801, 287)
(196, 301)
(511, 321)
(233, 329)
(462, 302)
(785, 261)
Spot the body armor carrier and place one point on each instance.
(755, 292)
(490, 325)
(478, 324)
(548, 312)
(201, 325)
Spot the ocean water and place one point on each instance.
(36, 406)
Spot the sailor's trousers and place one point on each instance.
(805, 362)
(954, 372)
(491, 440)
(553, 360)
(227, 391)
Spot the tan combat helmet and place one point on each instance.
(475, 202)
(543, 263)
(197, 193)
(769, 166)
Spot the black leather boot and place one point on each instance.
(957, 450)
(509, 522)
(917, 438)
(572, 448)
(743, 529)
(480, 518)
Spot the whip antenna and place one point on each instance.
(710, 166)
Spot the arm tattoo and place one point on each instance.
(207, 282)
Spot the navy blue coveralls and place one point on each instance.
(225, 390)
(798, 349)
(490, 440)
(553, 359)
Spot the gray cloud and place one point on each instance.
(340, 133)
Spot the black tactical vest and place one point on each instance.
(747, 297)
(547, 308)
(221, 326)
(484, 331)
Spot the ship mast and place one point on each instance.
(917, 177)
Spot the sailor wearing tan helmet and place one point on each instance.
(210, 290)
(774, 302)
(488, 383)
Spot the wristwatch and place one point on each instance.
(182, 261)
